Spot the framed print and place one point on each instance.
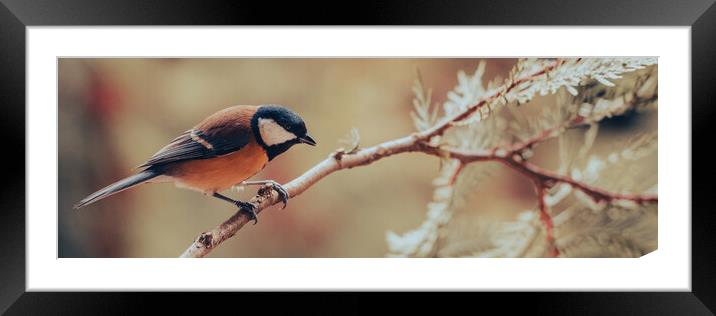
(470, 150)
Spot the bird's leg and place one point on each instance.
(282, 193)
(249, 208)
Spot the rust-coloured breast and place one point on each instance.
(220, 173)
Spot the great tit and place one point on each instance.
(223, 150)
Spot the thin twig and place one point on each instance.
(546, 177)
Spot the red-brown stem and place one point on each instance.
(597, 194)
(546, 177)
(546, 219)
(455, 174)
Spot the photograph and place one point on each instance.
(534, 157)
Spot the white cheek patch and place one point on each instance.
(272, 133)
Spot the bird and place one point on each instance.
(224, 150)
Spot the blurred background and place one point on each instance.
(115, 113)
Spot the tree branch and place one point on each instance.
(340, 160)
(417, 142)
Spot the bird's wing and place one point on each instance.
(197, 144)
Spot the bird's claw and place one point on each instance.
(249, 209)
(282, 193)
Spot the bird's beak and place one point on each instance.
(307, 140)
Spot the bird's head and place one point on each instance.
(277, 129)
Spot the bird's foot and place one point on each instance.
(282, 192)
(249, 209)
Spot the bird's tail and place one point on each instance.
(118, 186)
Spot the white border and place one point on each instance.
(666, 269)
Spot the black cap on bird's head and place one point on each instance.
(277, 128)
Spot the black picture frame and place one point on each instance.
(16, 15)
